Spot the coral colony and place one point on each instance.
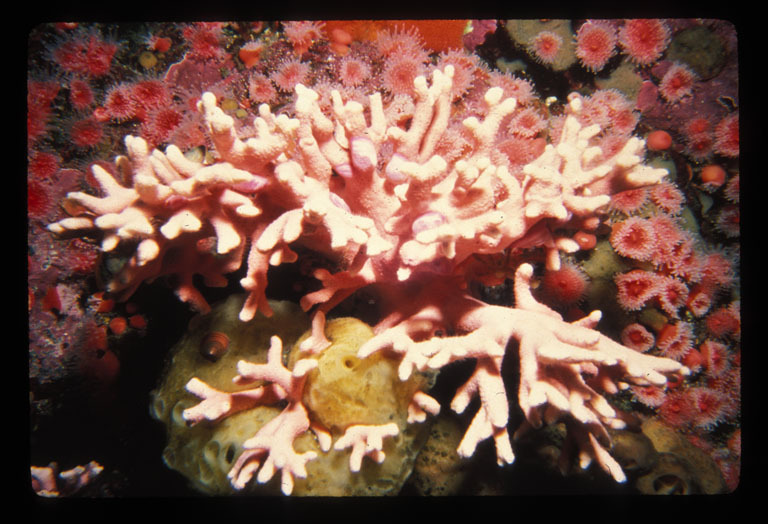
(430, 165)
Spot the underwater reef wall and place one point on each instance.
(548, 219)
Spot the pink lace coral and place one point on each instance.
(376, 198)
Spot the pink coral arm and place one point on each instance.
(271, 448)
(554, 355)
(365, 441)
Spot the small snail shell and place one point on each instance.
(214, 345)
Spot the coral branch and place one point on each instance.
(420, 405)
(554, 357)
(271, 448)
(365, 441)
